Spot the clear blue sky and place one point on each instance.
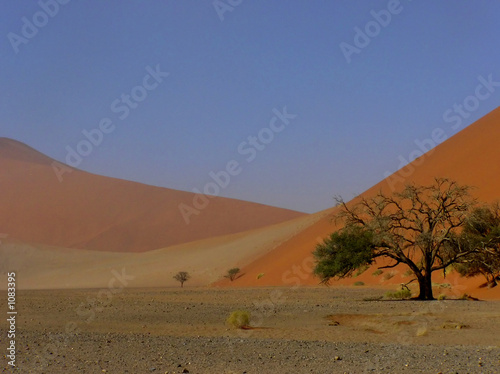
(226, 76)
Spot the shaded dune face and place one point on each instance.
(471, 157)
(87, 211)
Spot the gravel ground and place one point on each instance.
(140, 353)
(312, 330)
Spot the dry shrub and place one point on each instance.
(239, 319)
(390, 275)
(422, 331)
(401, 294)
(408, 273)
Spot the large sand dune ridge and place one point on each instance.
(470, 157)
(86, 211)
(276, 253)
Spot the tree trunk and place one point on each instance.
(425, 284)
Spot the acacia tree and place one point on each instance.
(232, 274)
(415, 227)
(481, 232)
(182, 276)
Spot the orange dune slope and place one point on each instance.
(471, 157)
(206, 260)
(87, 211)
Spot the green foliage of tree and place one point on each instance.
(344, 252)
(481, 232)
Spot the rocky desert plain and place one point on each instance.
(94, 259)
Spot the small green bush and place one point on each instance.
(260, 275)
(442, 297)
(401, 294)
(377, 272)
(358, 283)
(239, 319)
(361, 270)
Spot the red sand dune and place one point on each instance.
(87, 211)
(471, 157)
(93, 212)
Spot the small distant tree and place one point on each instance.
(482, 233)
(232, 273)
(182, 276)
(418, 227)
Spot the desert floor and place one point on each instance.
(302, 330)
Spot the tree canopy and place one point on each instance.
(482, 232)
(232, 274)
(420, 226)
(182, 276)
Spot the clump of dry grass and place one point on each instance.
(454, 325)
(408, 273)
(239, 319)
(422, 331)
(401, 294)
(441, 285)
(390, 275)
